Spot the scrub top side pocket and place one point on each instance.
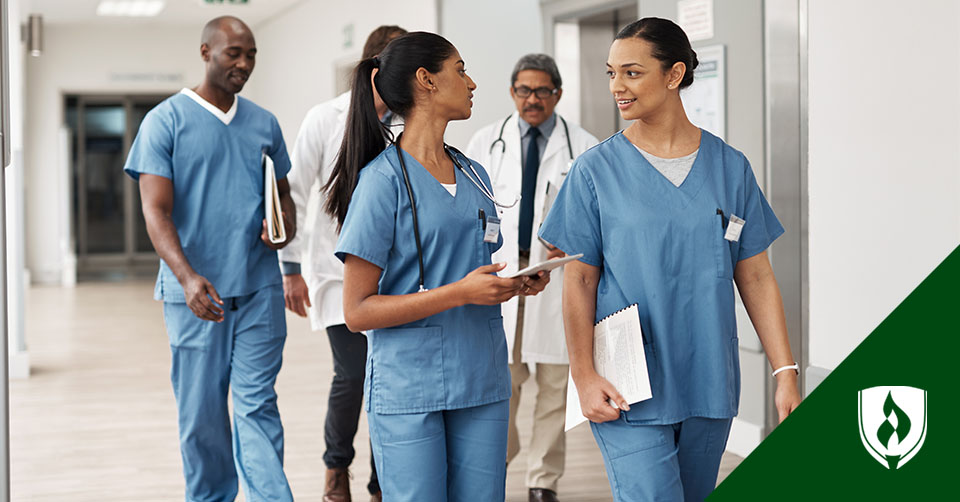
(643, 413)
(407, 369)
(734, 370)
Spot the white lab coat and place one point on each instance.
(543, 337)
(313, 155)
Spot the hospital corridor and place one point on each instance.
(455, 251)
(96, 420)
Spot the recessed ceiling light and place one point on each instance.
(130, 8)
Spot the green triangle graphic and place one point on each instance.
(817, 454)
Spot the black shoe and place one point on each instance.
(542, 495)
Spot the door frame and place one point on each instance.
(785, 107)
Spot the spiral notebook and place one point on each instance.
(618, 356)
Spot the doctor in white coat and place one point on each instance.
(313, 276)
(528, 154)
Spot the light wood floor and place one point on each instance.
(96, 420)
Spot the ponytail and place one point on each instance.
(363, 140)
(363, 137)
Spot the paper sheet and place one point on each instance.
(619, 357)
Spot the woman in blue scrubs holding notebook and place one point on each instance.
(668, 217)
(418, 227)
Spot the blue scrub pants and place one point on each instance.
(674, 462)
(450, 455)
(241, 354)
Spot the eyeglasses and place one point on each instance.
(541, 92)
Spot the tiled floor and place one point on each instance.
(96, 420)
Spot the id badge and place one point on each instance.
(734, 227)
(492, 230)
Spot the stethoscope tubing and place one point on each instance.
(452, 152)
(503, 144)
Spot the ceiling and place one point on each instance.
(181, 12)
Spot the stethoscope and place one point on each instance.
(475, 179)
(503, 144)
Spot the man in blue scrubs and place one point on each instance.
(198, 159)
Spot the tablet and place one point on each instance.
(546, 265)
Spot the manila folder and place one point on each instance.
(271, 202)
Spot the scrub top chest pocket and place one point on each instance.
(726, 240)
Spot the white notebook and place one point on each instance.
(271, 203)
(618, 356)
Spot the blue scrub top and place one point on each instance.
(456, 358)
(217, 176)
(663, 248)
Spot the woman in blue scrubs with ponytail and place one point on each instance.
(418, 226)
(668, 217)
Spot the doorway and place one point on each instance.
(109, 234)
(581, 43)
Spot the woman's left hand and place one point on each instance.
(533, 285)
(787, 397)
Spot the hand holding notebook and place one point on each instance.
(276, 229)
(618, 356)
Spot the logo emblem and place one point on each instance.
(893, 423)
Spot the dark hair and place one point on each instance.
(379, 38)
(670, 44)
(364, 135)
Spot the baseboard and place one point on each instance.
(744, 437)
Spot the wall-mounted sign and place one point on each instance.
(224, 2)
(696, 18)
(706, 99)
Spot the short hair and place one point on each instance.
(541, 62)
(379, 38)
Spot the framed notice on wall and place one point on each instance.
(705, 100)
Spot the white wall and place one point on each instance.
(884, 160)
(111, 58)
(299, 48)
(491, 36)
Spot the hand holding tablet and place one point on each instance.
(545, 266)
